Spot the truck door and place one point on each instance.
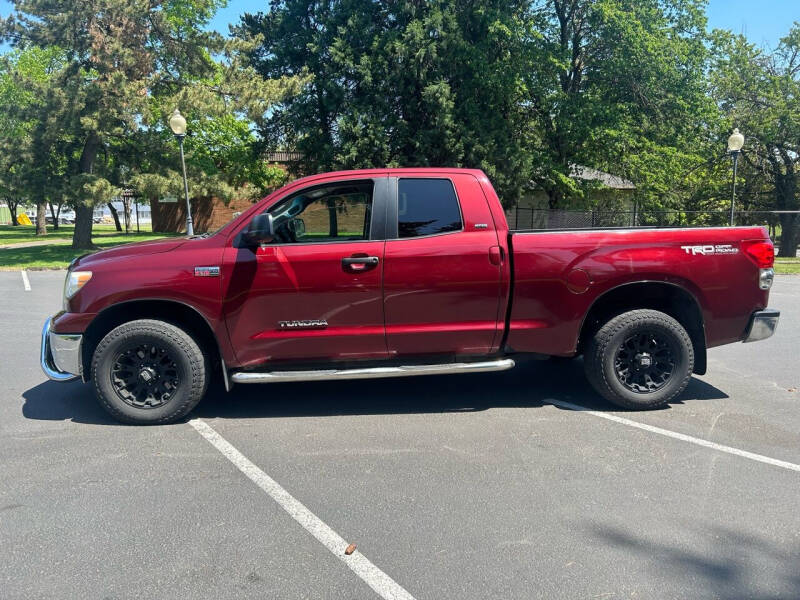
(442, 267)
(314, 292)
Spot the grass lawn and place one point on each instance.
(784, 266)
(58, 254)
(27, 233)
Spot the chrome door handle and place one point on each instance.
(360, 260)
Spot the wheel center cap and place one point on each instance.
(644, 360)
(147, 374)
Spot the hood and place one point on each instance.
(135, 249)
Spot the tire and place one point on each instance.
(617, 357)
(149, 372)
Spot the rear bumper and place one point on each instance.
(763, 324)
(60, 354)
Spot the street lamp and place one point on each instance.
(735, 143)
(178, 125)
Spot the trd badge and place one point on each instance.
(206, 271)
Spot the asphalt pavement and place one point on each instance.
(476, 486)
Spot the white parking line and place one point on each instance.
(379, 581)
(25, 282)
(678, 436)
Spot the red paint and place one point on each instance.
(286, 283)
(445, 294)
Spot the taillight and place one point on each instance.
(761, 252)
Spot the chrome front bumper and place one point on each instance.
(60, 354)
(762, 325)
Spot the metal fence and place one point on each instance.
(535, 218)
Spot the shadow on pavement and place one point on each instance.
(530, 384)
(72, 401)
(728, 564)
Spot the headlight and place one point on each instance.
(74, 282)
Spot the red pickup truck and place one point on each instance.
(401, 272)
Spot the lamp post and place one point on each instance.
(178, 125)
(735, 143)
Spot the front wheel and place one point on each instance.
(640, 359)
(149, 372)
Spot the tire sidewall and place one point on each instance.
(680, 346)
(132, 334)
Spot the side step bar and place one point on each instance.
(372, 373)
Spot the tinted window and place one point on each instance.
(330, 213)
(426, 207)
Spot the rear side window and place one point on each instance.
(426, 207)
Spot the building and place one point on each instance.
(610, 198)
(209, 213)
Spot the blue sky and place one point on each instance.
(763, 21)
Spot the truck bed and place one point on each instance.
(558, 275)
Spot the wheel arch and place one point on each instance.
(667, 297)
(177, 313)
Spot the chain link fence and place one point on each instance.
(534, 218)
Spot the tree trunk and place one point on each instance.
(54, 214)
(786, 199)
(114, 214)
(82, 236)
(333, 223)
(789, 237)
(41, 219)
(12, 207)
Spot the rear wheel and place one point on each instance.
(640, 359)
(149, 372)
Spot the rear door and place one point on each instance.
(442, 267)
(314, 292)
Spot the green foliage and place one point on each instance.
(91, 190)
(125, 65)
(398, 84)
(759, 92)
(523, 90)
(34, 151)
(620, 85)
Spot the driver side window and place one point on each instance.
(335, 212)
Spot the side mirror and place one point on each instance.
(261, 229)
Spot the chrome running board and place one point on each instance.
(371, 373)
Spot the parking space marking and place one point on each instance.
(25, 282)
(379, 581)
(678, 436)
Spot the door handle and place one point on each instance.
(360, 260)
(496, 255)
(359, 264)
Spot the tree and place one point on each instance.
(759, 91)
(399, 83)
(619, 85)
(118, 52)
(33, 150)
(129, 63)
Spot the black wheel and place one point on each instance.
(149, 371)
(640, 359)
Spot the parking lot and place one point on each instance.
(519, 484)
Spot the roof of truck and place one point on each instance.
(390, 171)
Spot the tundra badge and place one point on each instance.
(308, 324)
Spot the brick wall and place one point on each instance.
(208, 214)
